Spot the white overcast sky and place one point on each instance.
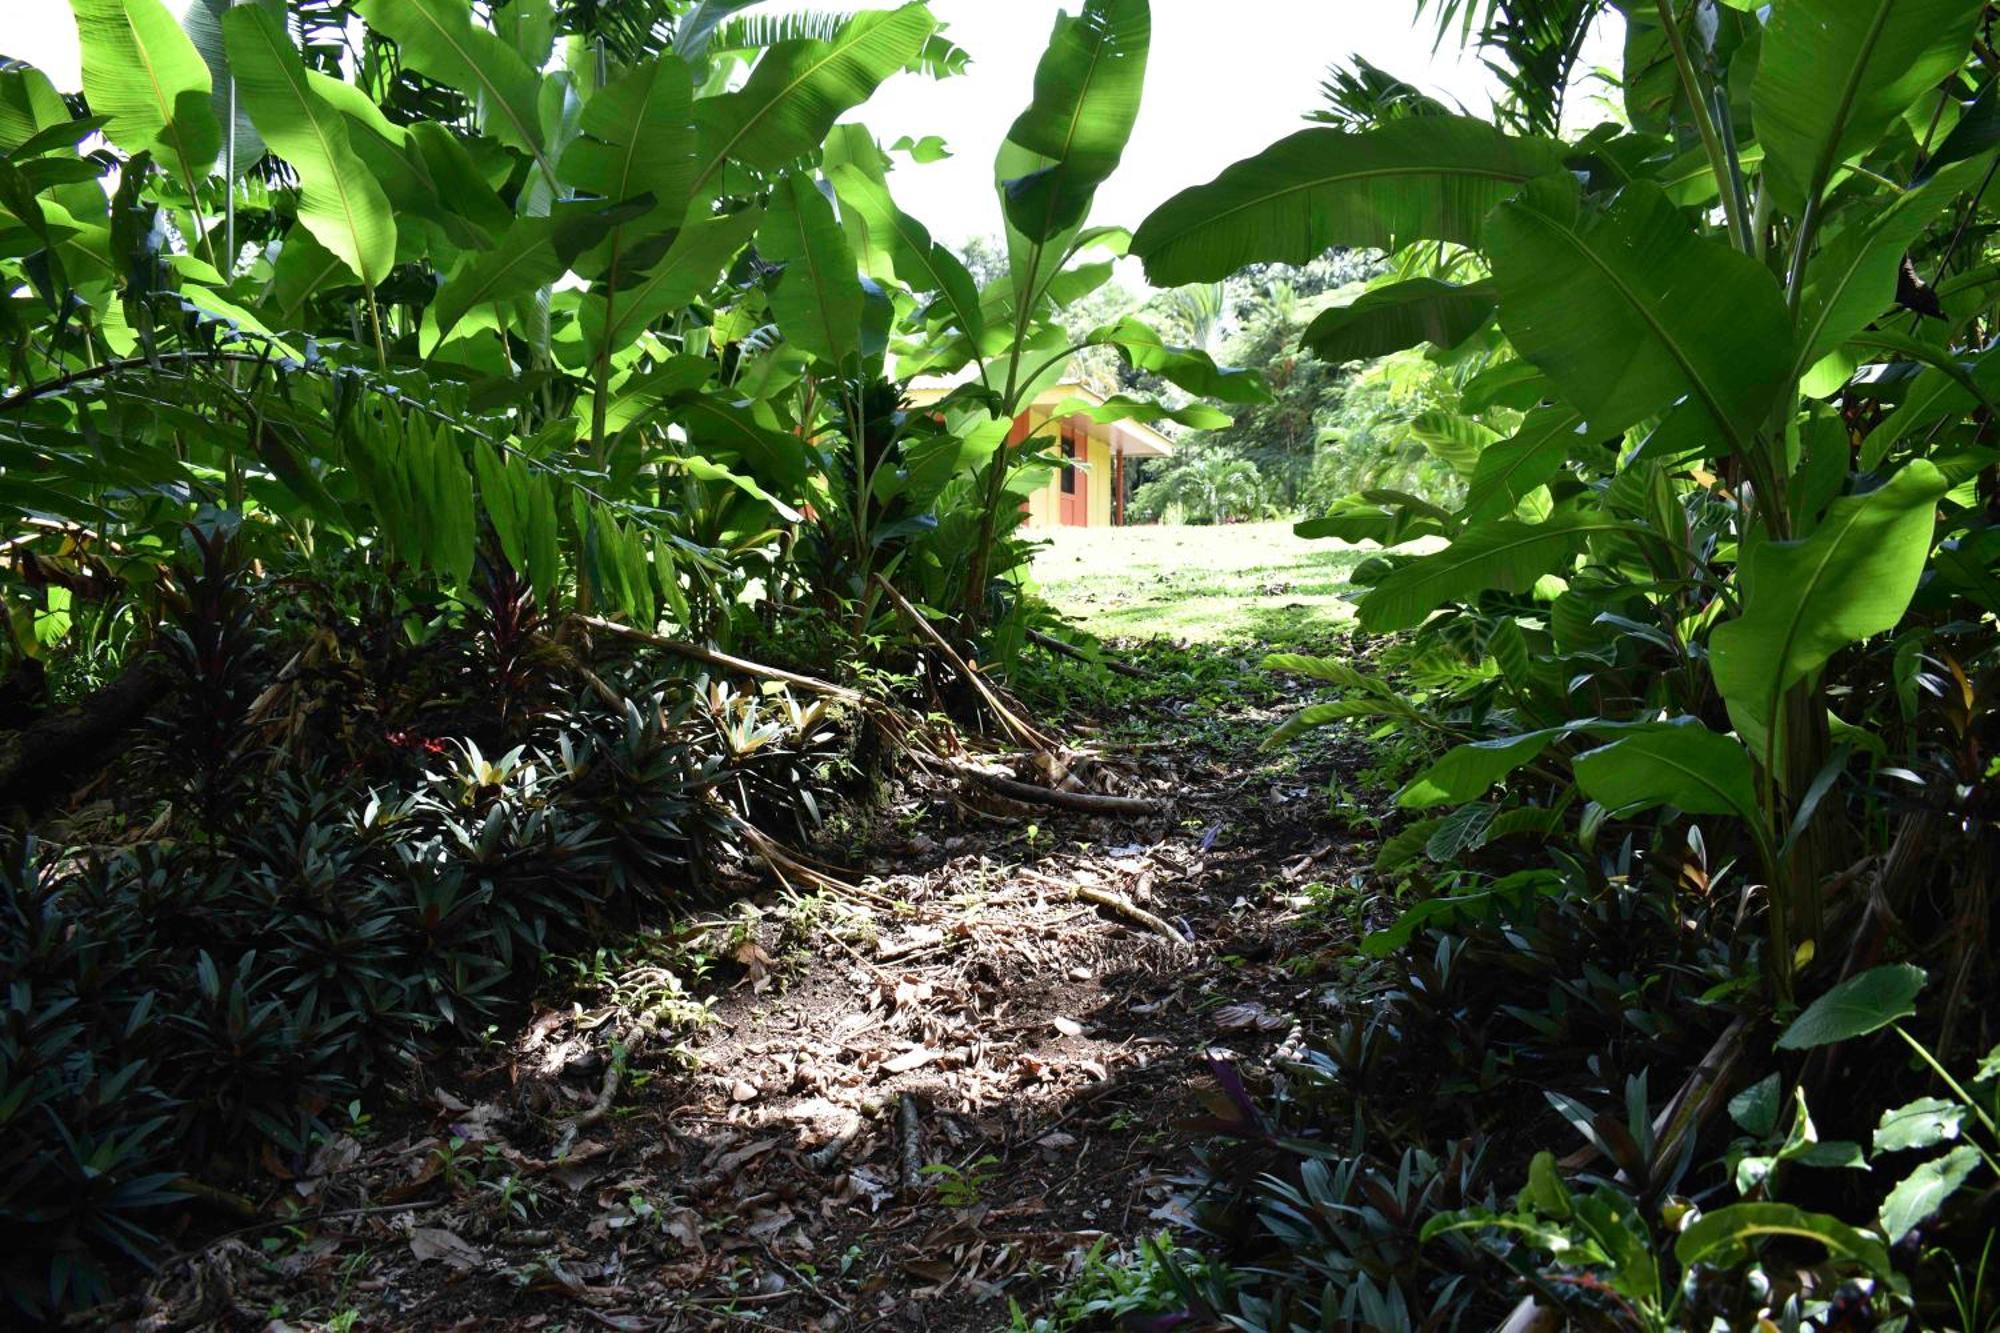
(1225, 78)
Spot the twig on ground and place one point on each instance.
(1070, 650)
(1083, 801)
(827, 1154)
(1077, 1107)
(622, 1055)
(832, 1302)
(1125, 907)
(912, 1131)
(303, 1220)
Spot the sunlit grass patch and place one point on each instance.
(1250, 581)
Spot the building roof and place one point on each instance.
(1133, 439)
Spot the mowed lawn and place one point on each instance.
(1240, 581)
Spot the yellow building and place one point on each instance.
(1091, 491)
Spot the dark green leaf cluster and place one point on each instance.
(1712, 612)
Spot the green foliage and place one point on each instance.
(305, 938)
(1421, 178)
(1207, 488)
(339, 201)
(1717, 419)
(491, 334)
(1627, 310)
(1399, 316)
(143, 72)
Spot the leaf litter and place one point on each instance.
(899, 1109)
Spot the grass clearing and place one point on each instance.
(1238, 581)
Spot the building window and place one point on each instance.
(1068, 467)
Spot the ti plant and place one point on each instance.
(1727, 419)
(1620, 1243)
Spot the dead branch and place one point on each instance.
(694, 652)
(1692, 1103)
(824, 1157)
(1074, 653)
(616, 1062)
(1125, 907)
(43, 762)
(912, 1131)
(1018, 727)
(1090, 803)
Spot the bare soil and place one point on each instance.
(913, 1101)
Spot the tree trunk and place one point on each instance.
(42, 763)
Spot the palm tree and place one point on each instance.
(1210, 488)
(1199, 310)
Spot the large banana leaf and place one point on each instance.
(1188, 367)
(356, 105)
(1834, 74)
(817, 300)
(203, 24)
(1852, 278)
(303, 267)
(1465, 772)
(1087, 90)
(638, 138)
(1629, 310)
(1424, 178)
(1505, 554)
(1456, 441)
(851, 152)
(340, 202)
(723, 430)
(1945, 386)
(692, 34)
(1508, 470)
(1402, 314)
(439, 40)
(1805, 600)
(525, 259)
(917, 260)
(1387, 518)
(1679, 763)
(29, 104)
(142, 70)
(614, 320)
(801, 87)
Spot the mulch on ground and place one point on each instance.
(899, 1104)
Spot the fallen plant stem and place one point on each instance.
(1125, 907)
(1076, 654)
(1022, 731)
(910, 1127)
(694, 652)
(1083, 801)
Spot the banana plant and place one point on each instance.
(1728, 397)
(1004, 344)
(481, 276)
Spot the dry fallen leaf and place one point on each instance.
(1249, 1015)
(915, 1058)
(448, 1247)
(751, 957)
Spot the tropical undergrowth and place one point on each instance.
(1675, 1006)
(464, 495)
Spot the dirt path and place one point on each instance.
(900, 1107)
